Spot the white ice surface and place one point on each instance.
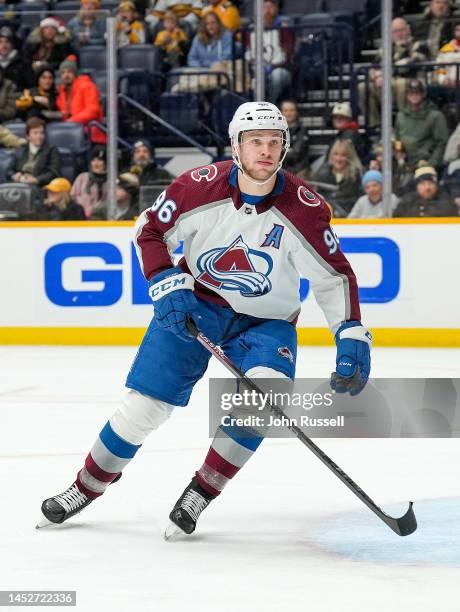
(285, 535)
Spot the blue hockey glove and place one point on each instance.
(353, 361)
(173, 301)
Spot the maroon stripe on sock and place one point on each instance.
(204, 485)
(83, 489)
(98, 472)
(221, 465)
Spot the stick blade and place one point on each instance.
(404, 525)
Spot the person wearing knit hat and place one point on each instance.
(130, 31)
(78, 98)
(370, 206)
(428, 199)
(127, 206)
(145, 166)
(90, 188)
(49, 44)
(88, 26)
(16, 69)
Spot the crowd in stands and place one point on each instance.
(42, 83)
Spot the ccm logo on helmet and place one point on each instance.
(207, 173)
(307, 197)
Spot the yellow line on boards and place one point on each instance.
(132, 336)
(89, 224)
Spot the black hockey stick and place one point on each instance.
(403, 526)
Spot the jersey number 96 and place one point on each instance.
(164, 210)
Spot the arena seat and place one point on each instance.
(17, 127)
(135, 57)
(93, 57)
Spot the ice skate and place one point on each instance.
(185, 514)
(61, 507)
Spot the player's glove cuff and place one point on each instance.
(168, 281)
(353, 330)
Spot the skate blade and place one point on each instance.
(44, 522)
(173, 532)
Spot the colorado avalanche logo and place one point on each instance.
(307, 197)
(207, 173)
(236, 268)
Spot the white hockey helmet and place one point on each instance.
(257, 116)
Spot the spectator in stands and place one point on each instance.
(428, 199)
(421, 127)
(188, 13)
(452, 152)
(402, 174)
(449, 54)
(127, 200)
(40, 101)
(212, 43)
(16, 69)
(50, 43)
(370, 205)
(347, 128)
(88, 27)
(78, 98)
(8, 140)
(35, 163)
(435, 29)
(90, 188)
(278, 45)
(145, 167)
(130, 31)
(172, 42)
(8, 95)
(452, 157)
(343, 170)
(227, 12)
(296, 159)
(405, 51)
(444, 86)
(58, 204)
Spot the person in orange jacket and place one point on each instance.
(78, 98)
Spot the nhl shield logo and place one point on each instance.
(236, 268)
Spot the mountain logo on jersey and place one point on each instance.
(236, 268)
(308, 197)
(206, 173)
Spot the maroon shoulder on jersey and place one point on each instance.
(193, 189)
(310, 215)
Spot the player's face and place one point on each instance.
(260, 152)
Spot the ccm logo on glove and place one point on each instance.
(172, 283)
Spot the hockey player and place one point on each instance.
(249, 230)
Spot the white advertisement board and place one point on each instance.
(81, 283)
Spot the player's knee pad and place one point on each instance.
(264, 372)
(138, 416)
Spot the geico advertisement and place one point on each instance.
(90, 276)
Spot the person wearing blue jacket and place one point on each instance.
(212, 43)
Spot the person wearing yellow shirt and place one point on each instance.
(130, 31)
(226, 11)
(172, 41)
